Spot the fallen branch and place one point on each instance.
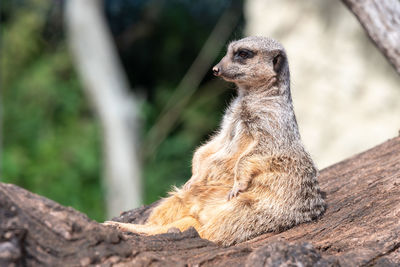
(361, 227)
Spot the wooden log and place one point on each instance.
(361, 227)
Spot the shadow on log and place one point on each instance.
(361, 227)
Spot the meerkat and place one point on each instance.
(254, 175)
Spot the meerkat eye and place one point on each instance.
(243, 54)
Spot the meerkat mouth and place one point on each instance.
(231, 77)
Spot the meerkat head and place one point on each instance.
(253, 62)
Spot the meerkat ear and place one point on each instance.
(278, 61)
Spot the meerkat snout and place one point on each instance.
(216, 70)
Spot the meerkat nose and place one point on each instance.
(216, 71)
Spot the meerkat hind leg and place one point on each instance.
(182, 224)
(130, 227)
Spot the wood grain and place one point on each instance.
(361, 227)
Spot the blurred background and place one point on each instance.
(56, 139)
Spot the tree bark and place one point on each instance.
(361, 227)
(107, 87)
(381, 20)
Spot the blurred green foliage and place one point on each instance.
(171, 164)
(51, 141)
(51, 138)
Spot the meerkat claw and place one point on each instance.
(237, 189)
(233, 193)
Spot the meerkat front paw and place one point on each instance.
(237, 189)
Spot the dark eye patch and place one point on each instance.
(243, 54)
